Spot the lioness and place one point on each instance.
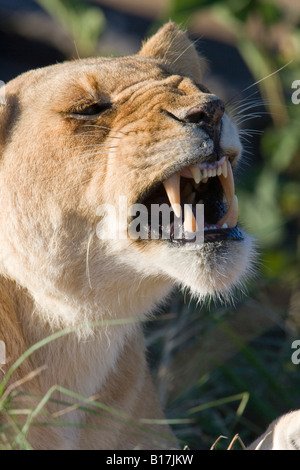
(75, 138)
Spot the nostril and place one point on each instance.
(210, 112)
(195, 116)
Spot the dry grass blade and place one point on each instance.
(234, 440)
(19, 383)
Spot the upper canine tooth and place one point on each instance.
(227, 182)
(172, 187)
(224, 168)
(196, 173)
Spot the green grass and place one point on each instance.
(218, 372)
(228, 370)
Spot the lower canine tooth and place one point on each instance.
(190, 224)
(231, 217)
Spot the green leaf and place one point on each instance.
(82, 22)
(269, 12)
(260, 211)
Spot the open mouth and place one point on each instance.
(210, 184)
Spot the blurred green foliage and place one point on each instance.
(267, 36)
(230, 369)
(81, 21)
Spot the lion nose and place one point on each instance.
(210, 112)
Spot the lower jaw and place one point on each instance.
(223, 234)
(211, 235)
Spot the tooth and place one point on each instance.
(227, 183)
(205, 180)
(214, 172)
(209, 173)
(231, 217)
(224, 225)
(220, 162)
(224, 169)
(204, 173)
(196, 173)
(190, 224)
(219, 171)
(172, 187)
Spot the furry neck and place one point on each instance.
(83, 358)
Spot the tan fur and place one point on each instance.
(57, 273)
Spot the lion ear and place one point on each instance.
(172, 47)
(2, 112)
(9, 110)
(3, 118)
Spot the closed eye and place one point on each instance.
(90, 112)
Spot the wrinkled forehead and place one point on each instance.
(90, 78)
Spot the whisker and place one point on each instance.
(75, 185)
(252, 116)
(258, 81)
(254, 104)
(87, 154)
(244, 139)
(97, 164)
(246, 106)
(250, 132)
(59, 166)
(248, 151)
(183, 52)
(92, 134)
(248, 117)
(87, 269)
(268, 76)
(103, 127)
(88, 145)
(237, 99)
